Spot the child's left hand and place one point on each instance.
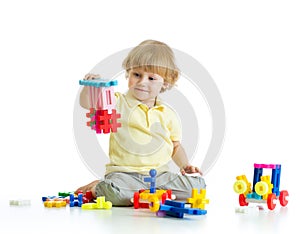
(189, 169)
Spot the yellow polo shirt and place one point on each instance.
(145, 140)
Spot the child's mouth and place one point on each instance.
(141, 90)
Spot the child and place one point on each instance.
(150, 133)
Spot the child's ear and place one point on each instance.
(166, 85)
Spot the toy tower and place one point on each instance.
(103, 115)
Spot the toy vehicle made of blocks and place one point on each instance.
(141, 198)
(265, 189)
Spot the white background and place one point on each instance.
(250, 48)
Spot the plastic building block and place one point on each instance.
(169, 207)
(242, 200)
(19, 202)
(98, 83)
(154, 204)
(64, 194)
(266, 166)
(151, 179)
(177, 209)
(276, 173)
(247, 210)
(70, 198)
(142, 199)
(159, 201)
(102, 121)
(103, 116)
(86, 197)
(265, 189)
(48, 198)
(147, 198)
(242, 185)
(55, 201)
(256, 176)
(100, 204)
(254, 196)
(55, 198)
(270, 201)
(198, 200)
(56, 204)
(92, 116)
(282, 197)
(76, 201)
(105, 122)
(101, 93)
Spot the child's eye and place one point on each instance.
(136, 74)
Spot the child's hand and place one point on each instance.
(189, 169)
(89, 187)
(91, 76)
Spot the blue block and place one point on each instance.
(178, 210)
(98, 83)
(175, 203)
(151, 180)
(256, 177)
(276, 173)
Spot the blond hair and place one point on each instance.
(156, 57)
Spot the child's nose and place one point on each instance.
(144, 79)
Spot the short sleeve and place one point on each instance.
(173, 124)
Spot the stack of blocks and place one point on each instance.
(83, 200)
(103, 115)
(159, 201)
(178, 209)
(100, 204)
(55, 201)
(152, 193)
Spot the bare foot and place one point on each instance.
(91, 186)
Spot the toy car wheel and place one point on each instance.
(240, 186)
(270, 201)
(136, 198)
(261, 188)
(242, 200)
(282, 197)
(154, 203)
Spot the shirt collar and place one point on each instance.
(133, 102)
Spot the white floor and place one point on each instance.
(221, 216)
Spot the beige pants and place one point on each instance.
(119, 187)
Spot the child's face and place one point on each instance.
(144, 86)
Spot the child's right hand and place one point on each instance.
(89, 187)
(91, 76)
(84, 97)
